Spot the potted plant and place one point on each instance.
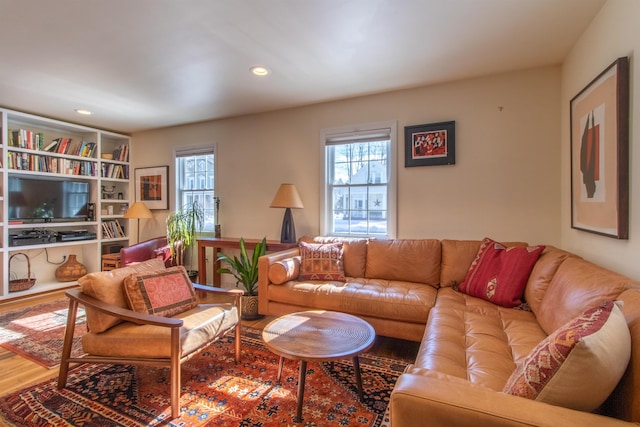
(182, 226)
(245, 270)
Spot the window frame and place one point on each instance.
(326, 206)
(188, 151)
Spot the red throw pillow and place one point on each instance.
(163, 293)
(321, 262)
(499, 274)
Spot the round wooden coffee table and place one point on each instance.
(316, 336)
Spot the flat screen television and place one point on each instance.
(37, 199)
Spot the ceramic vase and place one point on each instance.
(71, 270)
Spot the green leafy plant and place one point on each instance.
(182, 226)
(245, 268)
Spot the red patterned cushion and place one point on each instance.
(163, 293)
(578, 365)
(499, 274)
(321, 261)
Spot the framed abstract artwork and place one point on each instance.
(152, 187)
(430, 144)
(600, 154)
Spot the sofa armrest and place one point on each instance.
(421, 394)
(264, 262)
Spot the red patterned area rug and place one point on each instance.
(215, 392)
(37, 332)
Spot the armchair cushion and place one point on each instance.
(201, 325)
(163, 293)
(107, 286)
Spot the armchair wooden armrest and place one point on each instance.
(122, 313)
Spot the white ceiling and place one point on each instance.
(140, 64)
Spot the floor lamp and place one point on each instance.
(287, 197)
(137, 211)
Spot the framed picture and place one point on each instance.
(600, 154)
(430, 144)
(152, 186)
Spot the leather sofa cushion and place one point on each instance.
(107, 286)
(541, 275)
(404, 260)
(386, 299)
(201, 325)
(577, 286)
(473, 339)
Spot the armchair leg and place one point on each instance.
(68, 343)
(175, 373)
(237, 339)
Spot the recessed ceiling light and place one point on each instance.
(259, 70)
(83, 112)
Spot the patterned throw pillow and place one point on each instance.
(499, 274)
(163, 293)
(578, 365)
(321, 261)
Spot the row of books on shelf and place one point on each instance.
(23, 138)
(69, 147)
(121, 153)
(111, 170)
(37, 163)
(30, 140)
(112, 230)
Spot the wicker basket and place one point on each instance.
(17, 285)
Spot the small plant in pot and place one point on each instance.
(245, 270)
(182, 226)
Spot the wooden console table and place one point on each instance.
(218, 243)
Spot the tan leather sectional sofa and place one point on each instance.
(469, 346)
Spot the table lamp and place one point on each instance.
(287, 197)
(137, 211)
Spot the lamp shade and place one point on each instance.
(287, 197)
(138, 210)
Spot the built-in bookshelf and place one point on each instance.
(93, 167)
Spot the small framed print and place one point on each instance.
(152, 187)
(430, 144)
(600, 154)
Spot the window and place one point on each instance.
(359, 181)
(195, 181)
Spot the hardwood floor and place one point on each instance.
(17, 372)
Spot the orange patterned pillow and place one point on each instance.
(578, 365)
(163, 293)
(499, 273)
(321, 261)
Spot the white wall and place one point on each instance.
(613, 33)
(504, 183)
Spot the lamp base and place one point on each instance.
(288, 233)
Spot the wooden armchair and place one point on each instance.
(144, 339)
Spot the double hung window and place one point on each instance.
(195, 181)
(359, 181)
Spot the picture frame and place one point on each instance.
(599, 120)
(430, 144)
(152, 187)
